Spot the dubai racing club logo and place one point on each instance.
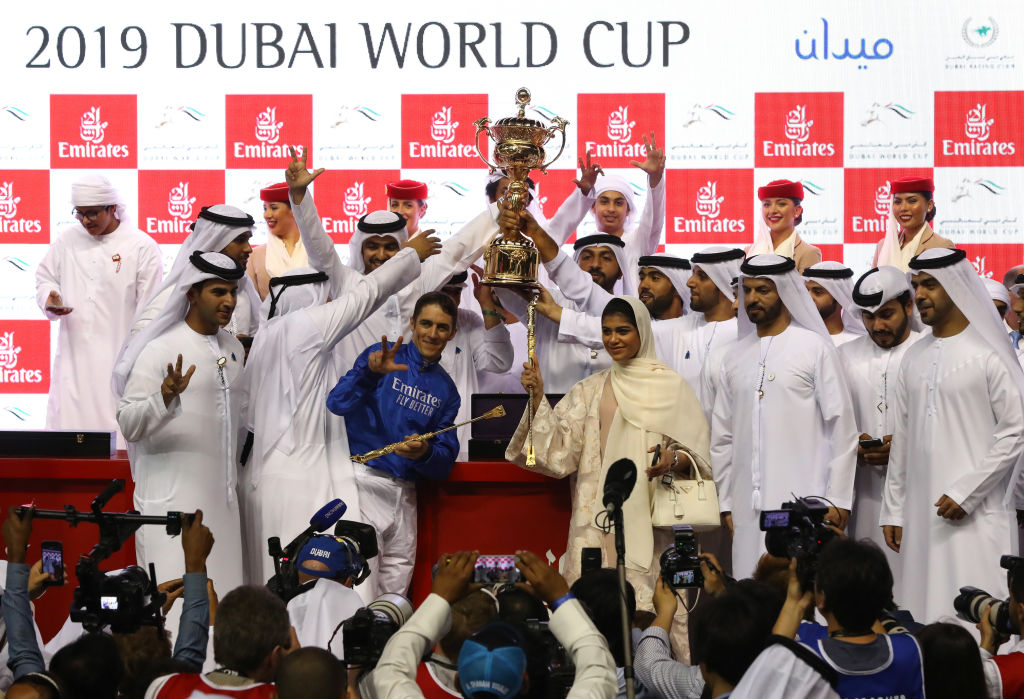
(877, 111)
(179, 203)
(620, 128)
(977, 126)
(8, 202)
(797, 127)
(268, 128)
(883, 199)
(709, 204)
(966, 185)
(442, 128)
(91, 127)
(980, 34)
(354, 203)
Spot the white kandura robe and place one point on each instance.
(567, 442)
(871, 374)
(844, 336)
(281, 491)
(105, 294)
(959, 426)
(315, 614)
(800, 438)
(183, 456)
(507, 381)
(474, 349)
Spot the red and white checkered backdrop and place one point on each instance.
(187, 104)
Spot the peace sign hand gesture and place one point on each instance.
(175, 382)
(383, 360)
(297, 176)
(654, 166)
(588, 174)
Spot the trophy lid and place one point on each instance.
(522, 100)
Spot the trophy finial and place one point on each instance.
(522, 99)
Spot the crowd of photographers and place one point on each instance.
(821, 622)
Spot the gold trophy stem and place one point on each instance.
(497, 411)
(531, 344)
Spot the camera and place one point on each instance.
(680, 566)
(971, 602)
(365, 633)
(559, 671)
(798, 531)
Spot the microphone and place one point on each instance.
(327, 516)
(618, 484)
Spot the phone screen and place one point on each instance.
(496, 569)
(53, 561)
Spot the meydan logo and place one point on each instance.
(179, 203)
(268, 128)
(708, 204)
(442, 128)
(883, 199)
(797, 127)
(354, 204)
(977, 127)
(8, 352)
(8, 202)
(620, 128)
(91, 127)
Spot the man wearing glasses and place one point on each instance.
(93, 278)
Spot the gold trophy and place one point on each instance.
(511, 259)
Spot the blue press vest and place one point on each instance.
(901, 677)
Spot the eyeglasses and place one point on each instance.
(91, 214)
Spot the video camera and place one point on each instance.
(123, 599)
(798, 531)
(971, 602)
(680, 565)
(560, 672)
(359, 538)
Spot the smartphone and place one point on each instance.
(871, 443)
(590, 559)
(496, 569)
(59, 310)
(53, 561)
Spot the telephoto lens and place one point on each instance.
(970, 604)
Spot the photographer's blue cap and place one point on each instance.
(492, 661)
(336, 555)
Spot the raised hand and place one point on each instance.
(383, 360)
(654, 166)
(175, 382)
(588, 174)
(549, 585)
(425, 244)
(196, 542)
(454, 573)
(297, 176)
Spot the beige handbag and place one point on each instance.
(678, 501)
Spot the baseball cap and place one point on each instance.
(493, 661)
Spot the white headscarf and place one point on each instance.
(95, 190)
(172, 313)
(891, 253)
(965, 288)
(997, 291)
(722, 264)
(612, 242)
(652, 401)
(763, 243)
(792, 291)
(282, 350)
(879, 286)
(616, 183)
(212, 236)
(386, 219)
(840, 287)
(677, 275)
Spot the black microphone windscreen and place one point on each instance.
(619, 481)
(328, 515)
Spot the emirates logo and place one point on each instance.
(179, 203)
(976, 127)
(8, 202)
(268, 128)
(442, 128)
(8, 351)
(797, 127)
(620, 128)
(91, 128)
(354, 204)
(709, 204)
(883, 199)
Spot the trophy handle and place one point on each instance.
(557, 124)
(481, 125)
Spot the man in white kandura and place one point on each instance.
(830, 284)
(94, 277)
(783, 421)
(224, 229)
(299, 459)
(884, 300)
(958, 436)
(182, 424)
